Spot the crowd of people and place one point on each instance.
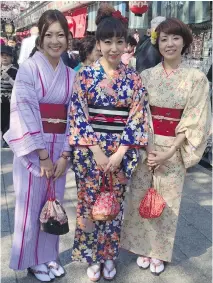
(117, 125)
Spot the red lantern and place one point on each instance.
(138, 7)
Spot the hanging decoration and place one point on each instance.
(138, 7)
(11, 9)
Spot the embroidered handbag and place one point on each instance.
(53, 218)
(152, 205)
(106, 206)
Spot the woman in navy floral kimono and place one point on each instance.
(108, 122)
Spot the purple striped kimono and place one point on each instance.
(36, 82)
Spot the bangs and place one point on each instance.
(170, 27)
(110, 27)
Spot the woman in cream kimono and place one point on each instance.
(180, 123)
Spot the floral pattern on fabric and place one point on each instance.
(124, 89)
(185, 88)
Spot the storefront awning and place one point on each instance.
(190, 12)
(92, 12)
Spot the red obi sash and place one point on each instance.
(54, 118)
(165, 120)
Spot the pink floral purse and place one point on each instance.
(53, 218)
(106, 206)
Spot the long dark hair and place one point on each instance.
(109, 26)
(48, 18)
(37, 44)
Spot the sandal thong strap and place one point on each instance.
(145, 258)
(107, 268)
(98, 269)
(38, 271)
(158, 263)
(54, 265)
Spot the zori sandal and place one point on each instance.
(109, 270)
(56, 269)
(143, 262)
(156, 266)
(94, 272)
(41, 272)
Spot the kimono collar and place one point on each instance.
(179, 67)
(40, 57)
(119, 70)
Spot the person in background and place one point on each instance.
(147, 55)
(28, 44)
(68, 57)
(180, 125)
(2, 41)
(8, 75)
(4, 38)
(36, 47)
(41, 96)
(105, 145)
(12, 43)
(129, 51)
(136, 35)
(143, 39)
(88, 52)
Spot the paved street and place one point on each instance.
(192, 257)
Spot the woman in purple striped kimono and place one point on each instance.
(40, 97)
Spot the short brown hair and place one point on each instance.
(48, 18)
(175, 26)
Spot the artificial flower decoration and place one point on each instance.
(117, 14)
(154, 36)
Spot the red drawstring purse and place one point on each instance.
(106, 206)
(152, 205)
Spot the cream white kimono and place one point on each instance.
(185, 88)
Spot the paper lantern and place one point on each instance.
(138, 7)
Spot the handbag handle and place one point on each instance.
(103, 187)
(156, 181)
(50, 190)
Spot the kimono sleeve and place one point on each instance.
(196, 121)
(81, 132)
(24, 135)
(66, 146)
(135, 133)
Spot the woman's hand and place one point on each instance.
(46, 164)
(101, 159)
(46, 168)
(150, 155)
(60, 168)
(157, 158)
(114, 162)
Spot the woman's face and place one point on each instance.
(170, 46)
(55, 42)
(112, 49)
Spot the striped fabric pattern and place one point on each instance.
(190, 12)
(107, 119)
(93, 8)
